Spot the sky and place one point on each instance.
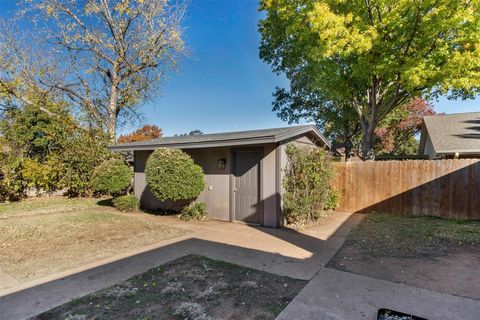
(223, 85)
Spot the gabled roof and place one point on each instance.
(452, 133)
(226, 139)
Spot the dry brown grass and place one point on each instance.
(41, 237)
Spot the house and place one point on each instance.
(451, 136)
(242, 169)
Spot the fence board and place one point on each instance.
(445, 188)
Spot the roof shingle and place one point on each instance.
(454, 132)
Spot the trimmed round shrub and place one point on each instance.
(111, 177)
(194, 211)
(171, 174)
(126, 203)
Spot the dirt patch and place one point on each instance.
(38, 239)
(191, 287)
(430, 253)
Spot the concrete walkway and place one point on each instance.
(280, 251)
(337, 295)
(7, 281)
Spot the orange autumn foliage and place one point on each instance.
(147, 132)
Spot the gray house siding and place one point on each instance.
(217, 192)
(429, 150)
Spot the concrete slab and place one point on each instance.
(337, 295)
(280, 251)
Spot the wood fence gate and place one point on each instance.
(444, 188)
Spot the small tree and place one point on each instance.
(396, 133)
(112, 177)
(172, 175)
(306, 183)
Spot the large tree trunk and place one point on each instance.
(112, 115)
(368, 143)
(370, 122)
(367, 123)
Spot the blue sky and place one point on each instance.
(224, 86)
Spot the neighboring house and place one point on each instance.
(242, 170)
(451, 136)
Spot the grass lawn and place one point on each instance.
(427, 252)
(191, 287)
(43, 236)
(412, 236)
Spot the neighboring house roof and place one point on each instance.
(452, 133)
(226, 139)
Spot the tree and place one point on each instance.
(373, 56)
(147, 132)
(18, 66)
(396, 132)
(196, 132)
(338, 123)
(30, 131)
(82, 153)
(114, 54)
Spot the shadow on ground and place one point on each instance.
(279, 251)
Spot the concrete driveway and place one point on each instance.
(280, 251)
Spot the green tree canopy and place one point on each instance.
(30, 131)
(371, 56)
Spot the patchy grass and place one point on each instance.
(43, 236)
(433, 253)
(412, 236)
(33, 206)
(191, 287)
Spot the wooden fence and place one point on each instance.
(444, 188)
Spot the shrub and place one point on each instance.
(42, 176)
(333, 200)
(112, 176)
(171, 174)
(12, 186)
(82, 153)
(126, 203)
(194, 211)
(306, 183)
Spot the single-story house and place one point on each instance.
(242, 169)
(451, 136)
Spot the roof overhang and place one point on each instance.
(227, 142)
